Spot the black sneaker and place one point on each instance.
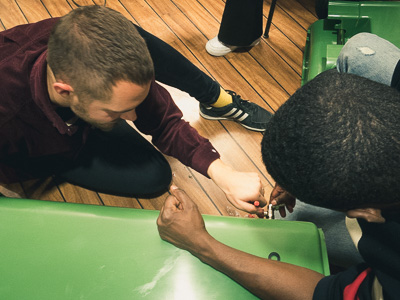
(246, 113)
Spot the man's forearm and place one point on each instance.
(181, 224)
(265, 278)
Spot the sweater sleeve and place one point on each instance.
(159, 117)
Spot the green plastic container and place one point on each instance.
(325, 38)
(52, 250)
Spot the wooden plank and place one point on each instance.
(33, 10)
(297, 12)
(12, 190)
(309, 5)
(10, 14)
(42, 189)
(76, 194)
(284, 29)
(57, 8)
(116, 5)
(112, 200)
(214, 8)
(155, 203)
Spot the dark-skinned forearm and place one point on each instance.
(265, 278)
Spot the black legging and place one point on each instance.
(120, 162)
(175, 70)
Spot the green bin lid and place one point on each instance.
(52, 250)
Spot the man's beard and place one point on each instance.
(80, 111)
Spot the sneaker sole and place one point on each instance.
(217, 51)
(222, 118)
(246, 48)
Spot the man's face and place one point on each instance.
(126, 97)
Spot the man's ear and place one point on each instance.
(372, 215)
(63, 89)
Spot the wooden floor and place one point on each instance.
(266, 75)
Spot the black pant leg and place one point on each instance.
(175, 70)
(120, 162)
(241, 22)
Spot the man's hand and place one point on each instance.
(280, 196)
(181, 224)
(240, 188)
(180, 221)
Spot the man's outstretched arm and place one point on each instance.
(181, 224)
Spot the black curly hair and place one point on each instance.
(336, 142)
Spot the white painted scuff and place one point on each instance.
(366, 50)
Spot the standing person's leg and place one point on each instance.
(120, 162)
(370, 56)
(241, 23)
(241, 27)
(173, 69)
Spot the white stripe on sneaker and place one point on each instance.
(231, 112)
(243, 117)
(238, 114)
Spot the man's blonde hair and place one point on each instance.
(93, 47)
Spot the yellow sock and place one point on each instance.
(223, 100)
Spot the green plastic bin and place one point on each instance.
(52, 250)
(325, 38)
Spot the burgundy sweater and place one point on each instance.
(30, 127)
